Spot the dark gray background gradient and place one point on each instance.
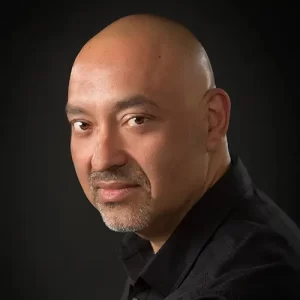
(61, 250)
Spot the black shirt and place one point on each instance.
(234, 244)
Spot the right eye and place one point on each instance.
(80, 126)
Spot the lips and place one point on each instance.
(115, 191)
(115, 185)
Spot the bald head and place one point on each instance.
(155, 46)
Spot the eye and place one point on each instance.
(137, 121)
(80, 126)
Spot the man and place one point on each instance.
(150, 151)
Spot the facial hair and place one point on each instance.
(126, 216)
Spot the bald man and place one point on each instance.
(150, 151)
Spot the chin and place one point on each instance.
(118, 226)
(124, 222)
(121, 217)
(122, 229)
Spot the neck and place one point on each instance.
(218, 164)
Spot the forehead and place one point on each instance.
(99, 84)
(103, 85)
(117, 71)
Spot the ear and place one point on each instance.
(218, 103)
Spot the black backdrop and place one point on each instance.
(60, 247)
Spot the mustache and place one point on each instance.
(131, 175)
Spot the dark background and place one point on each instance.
(60, 248)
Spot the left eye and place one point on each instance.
(137, 120)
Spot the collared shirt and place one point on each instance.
(235, 244)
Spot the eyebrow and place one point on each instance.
(135, 101)
(72, 110)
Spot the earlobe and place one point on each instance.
(218, 117)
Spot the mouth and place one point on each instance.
(114, 193)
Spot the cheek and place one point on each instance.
(81, 156)
(162, 159)
(173, 163)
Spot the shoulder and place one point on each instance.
(254, 262)
(257, 262)
(261, 241)
(253, 254)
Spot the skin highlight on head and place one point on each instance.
(145, 111)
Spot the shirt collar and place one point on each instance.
(166, 270)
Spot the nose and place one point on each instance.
(108, 152)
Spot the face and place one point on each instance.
(137, 142)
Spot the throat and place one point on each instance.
(162, 228)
